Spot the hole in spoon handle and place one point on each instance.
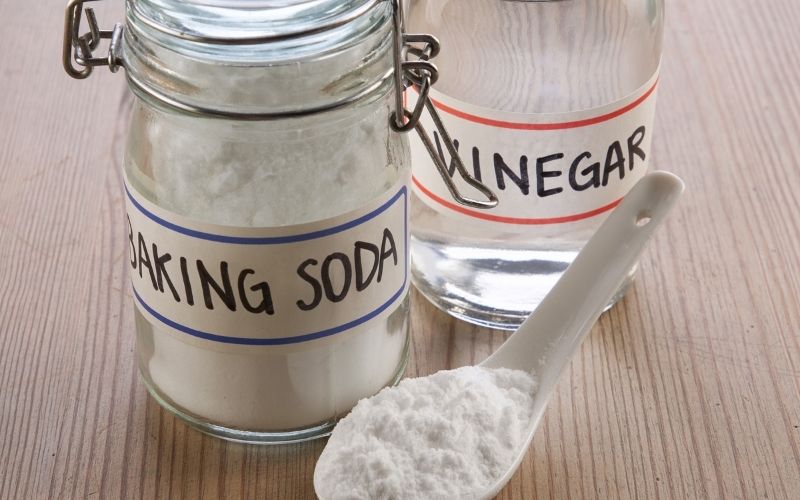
(643, 219)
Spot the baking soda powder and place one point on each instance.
(269, 266)
(448, 435)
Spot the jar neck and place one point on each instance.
(198, 56)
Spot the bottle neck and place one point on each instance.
(542, 57)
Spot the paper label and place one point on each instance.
(268, 286)
(544, 168)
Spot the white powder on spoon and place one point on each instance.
(448, 435)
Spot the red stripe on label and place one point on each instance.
(513, 220)
(544, 126)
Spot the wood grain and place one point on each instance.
(689, 388)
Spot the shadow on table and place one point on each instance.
(181, 462)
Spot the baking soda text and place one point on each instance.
(219, 285)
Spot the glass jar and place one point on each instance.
(267, 206)
(552, 105)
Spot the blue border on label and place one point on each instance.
(269, 240)
(277, 241)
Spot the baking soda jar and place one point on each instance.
(267, 193)
(551, 105)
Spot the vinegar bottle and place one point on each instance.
(551, 105)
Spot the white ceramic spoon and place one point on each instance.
(547, 340)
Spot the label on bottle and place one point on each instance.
(544, 168)
(268, 286)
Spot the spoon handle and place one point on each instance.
(549, 337)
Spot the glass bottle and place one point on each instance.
(528, 90)
(267, 205)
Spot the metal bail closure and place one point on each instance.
(78, 49)
(422, 74)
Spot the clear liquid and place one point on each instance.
(528, 57)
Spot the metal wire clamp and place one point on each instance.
(422, 74)
(78, 49)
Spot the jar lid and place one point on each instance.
(292, 59)
(243, 22)
(252, 59)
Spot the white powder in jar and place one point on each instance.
(449, 435)
(268, 175)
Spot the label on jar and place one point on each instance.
(268, 286)
(544, 168)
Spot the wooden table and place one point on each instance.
(689, 388)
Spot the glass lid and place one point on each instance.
(246, 21)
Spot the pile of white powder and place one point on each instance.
(448, 435)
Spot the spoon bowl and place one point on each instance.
(547, 340)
